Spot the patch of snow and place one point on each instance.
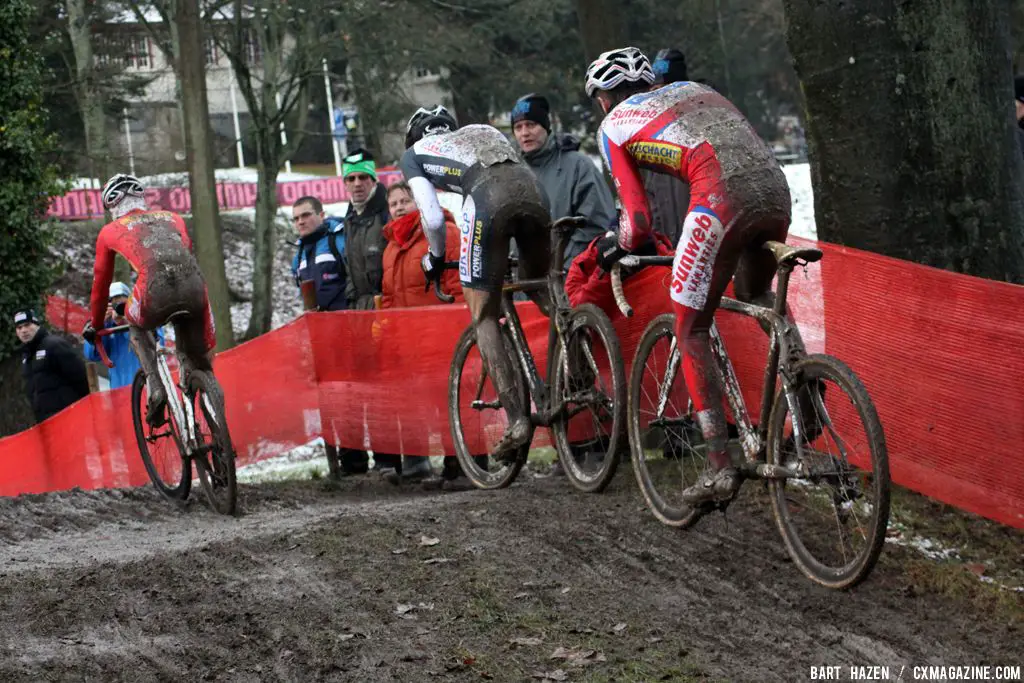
(298, 463)
(799, 178)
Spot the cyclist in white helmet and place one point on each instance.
(739, 199)
(157, 246)
(501, 200)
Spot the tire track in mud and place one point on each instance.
(120, 585)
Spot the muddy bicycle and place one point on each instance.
(829, 494)
(582, 400)
(191, 429)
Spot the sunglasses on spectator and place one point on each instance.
(357, 177)
(302, 216)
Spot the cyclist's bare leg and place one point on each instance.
(485, 307)
(757, 266)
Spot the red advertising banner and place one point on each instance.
(79, 205)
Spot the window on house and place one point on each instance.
(424, 72)
(127, 50)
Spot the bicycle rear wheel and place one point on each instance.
(833, 520)
(588, 435)
(216, 463)
(161, 449)
(667, 447)
(477, 418)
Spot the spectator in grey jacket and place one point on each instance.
(364, 229)
(574, 185)
(667, 196)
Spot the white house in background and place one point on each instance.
(154, 121)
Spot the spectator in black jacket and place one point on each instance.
(364, 230)
(54, 371)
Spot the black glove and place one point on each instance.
(89, 333)
(609, 252)
(433, 268)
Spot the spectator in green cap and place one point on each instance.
(364, 247)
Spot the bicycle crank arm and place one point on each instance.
(757, 470)
(481, 405)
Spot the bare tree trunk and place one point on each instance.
(911, 131)
(89, 99)
(603, 26)
(263, 247)
(209, 247)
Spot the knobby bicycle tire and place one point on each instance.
(216, 467)
(812, 369)
(683, 516)
(175, 490)
(482, 479)
(590, 317)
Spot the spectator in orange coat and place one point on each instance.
(586, 283)
(404, 287)
(403, 275)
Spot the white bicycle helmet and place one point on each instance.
(120, 186)
(612, 68)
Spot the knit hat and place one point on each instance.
(359, 161)
(25, 315)
(532, 107)
(669, 66)
(1018, 88)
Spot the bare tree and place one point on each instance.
(603, 26)
(911, 130)
(276, 51)
(87, 89)
(202, 181)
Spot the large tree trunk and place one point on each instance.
(263, 247)
(603, 26)
(911, 131)
(87, 89)
(209, 247)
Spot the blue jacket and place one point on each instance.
(315, 260)
(120, 351)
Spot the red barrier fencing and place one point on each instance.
(85, 204)
(939, 353)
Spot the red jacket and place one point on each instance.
(586, 283)
(403, 274)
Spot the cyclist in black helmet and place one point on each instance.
(501, 200)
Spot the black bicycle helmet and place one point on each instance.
(427, 122)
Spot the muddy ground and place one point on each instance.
(365, 582)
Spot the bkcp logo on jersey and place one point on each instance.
(656, 153)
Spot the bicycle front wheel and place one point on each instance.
(160, 447)
(667, 446)
(477, 418)
(833, 518)
(216, 462)
(589, 378)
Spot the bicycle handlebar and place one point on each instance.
(631, 261)
(102, 349)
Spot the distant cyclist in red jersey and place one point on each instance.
(739, 199)
(169, 286)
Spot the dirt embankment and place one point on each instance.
(366, 582)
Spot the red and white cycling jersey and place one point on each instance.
(687, 130)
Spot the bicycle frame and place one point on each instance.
(546, 413)
(784, 342)
(182, 413)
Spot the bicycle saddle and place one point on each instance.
(785, 253)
